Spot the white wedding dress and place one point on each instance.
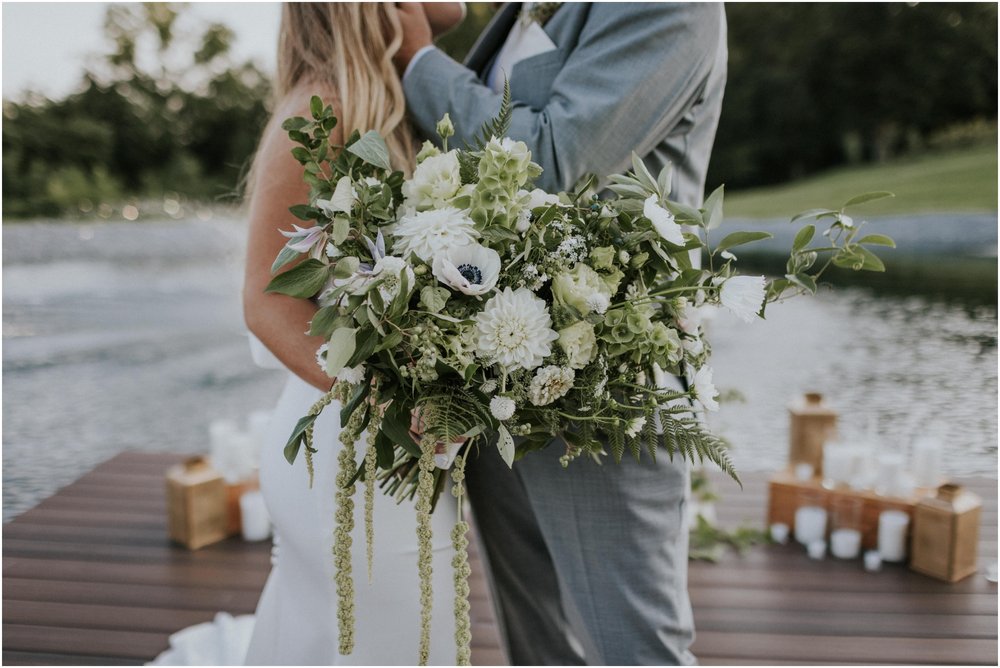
(296, 620)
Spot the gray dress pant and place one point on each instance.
(589, 563)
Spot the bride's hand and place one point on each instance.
(444, 453)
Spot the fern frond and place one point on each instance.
(496, 126)
(693, 441)
(616, 439)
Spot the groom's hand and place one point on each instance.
(416, 33)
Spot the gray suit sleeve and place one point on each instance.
(635, 71)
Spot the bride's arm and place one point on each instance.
(279, 321)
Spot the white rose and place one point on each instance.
(435, 182)
(579, 343)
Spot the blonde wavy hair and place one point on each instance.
(346, 48)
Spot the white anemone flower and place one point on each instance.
(743, 295)
(663, 221)
(343, 198)
(471, 269)
(539, 197)
(428, 233)
(514, 330)
(634, 426)
(704, 390)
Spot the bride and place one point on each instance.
(343, 53)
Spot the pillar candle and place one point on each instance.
(892, 526)
(256, 523)
(845, 543)
(810, 524)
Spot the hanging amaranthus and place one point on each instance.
(425, 558)
(342, 534)
(460, 564)
(371, 470)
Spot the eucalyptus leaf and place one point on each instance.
(341, 347)
(324, 322)
(813, 213)
(740, 238)
(867, 197)
(713, 208)
(303, 281)
(803, 237)
(870, 261)
(345, 267)
(664, 180)
(877, 240)
(643, 175)
(295, 440)
(372, 149)
(316, 106)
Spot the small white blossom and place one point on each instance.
(623, 256)
(550, 383)
(598, 302)
(321, 355)
(539, 197)
(704, 390)
(523, 222)
(502, 408)
(352, 375)
(743, 295)
(488, 387)
(663, 221)
(332, 251)
(634, 426)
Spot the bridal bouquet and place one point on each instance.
(493, 314)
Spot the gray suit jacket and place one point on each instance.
(643, 77)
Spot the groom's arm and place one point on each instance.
(633, 74)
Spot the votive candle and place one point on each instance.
(892, 527)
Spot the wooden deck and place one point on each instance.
(89, 578)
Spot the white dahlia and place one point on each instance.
(352, 375)
(471, 269)
(428, 233)
(550, 383)
(514, 330)
(743, 295)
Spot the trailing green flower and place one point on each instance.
(344, 521)
(460, 564)
(371, 466)
(425, 553)
(316, 409)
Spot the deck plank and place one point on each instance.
(91, 579)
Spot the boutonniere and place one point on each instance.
(539, 12)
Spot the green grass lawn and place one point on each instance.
(959, 180)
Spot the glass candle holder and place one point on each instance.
(845, 528)
(810, 517)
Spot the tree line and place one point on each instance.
(810, 86)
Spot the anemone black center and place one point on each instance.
(471, 273)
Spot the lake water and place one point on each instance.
(129, 337)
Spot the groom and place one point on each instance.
(589, 564)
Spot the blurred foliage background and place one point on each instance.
(811, 87)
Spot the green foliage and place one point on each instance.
(185, 131)
(708, 542)
(814, 85)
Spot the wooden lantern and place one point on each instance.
(812, 424)
(196, 504)
(946, 534)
